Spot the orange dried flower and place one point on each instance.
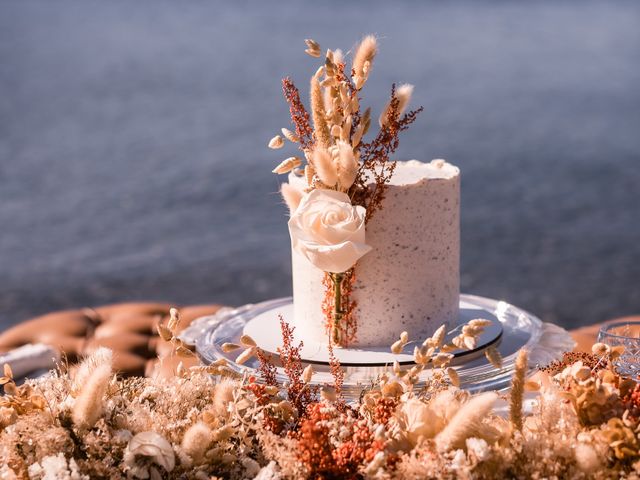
(298, 392)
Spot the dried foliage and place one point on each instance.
(586, 425)
(298, 391)
(376, 158)
(516, 395)
(299, 114)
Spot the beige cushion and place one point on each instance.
(129, 329)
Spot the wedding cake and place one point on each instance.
(409, 281)
(375, 242)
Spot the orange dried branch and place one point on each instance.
(299, 114)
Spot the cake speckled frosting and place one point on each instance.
(411, 279)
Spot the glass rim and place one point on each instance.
(605, 329)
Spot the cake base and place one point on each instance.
(264, 328)
(544, 341)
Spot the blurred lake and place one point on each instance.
(133, 159)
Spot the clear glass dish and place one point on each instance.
(545, 342)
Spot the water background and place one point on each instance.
(133, 163)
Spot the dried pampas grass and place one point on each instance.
(287, 165)
(291, 196)
(222, 397)
(363, 59)
(196, 441)
(347, 166)
(101, 356)
(323, 137)
(403, 94)
(466, 423)
(517, 389)
(88, 406)
(324, 167)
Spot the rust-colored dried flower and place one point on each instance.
(376, 164)
(385, 408)
(298, 392)
(299, 114)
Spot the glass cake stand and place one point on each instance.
(511, 329)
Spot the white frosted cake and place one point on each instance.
(410, 280)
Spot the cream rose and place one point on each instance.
(328, 230)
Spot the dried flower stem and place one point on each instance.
(299, 115)
(517, 389)
(375, 156)
(297, 391)
(466, 422)
(322, 135)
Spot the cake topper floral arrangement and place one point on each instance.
(345, 175)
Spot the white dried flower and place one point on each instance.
(229, 347)
(291, 195)
(363, 58)
(101, 356)
(397, 347)
(328, 230)
(52, 467)
(478, 447)
(403, 94)
(223, 396)
(223, 433)
(346, 128)
(248, 341)
(196, 441)
(89, 404)
(287, 165)
(479, 323)
(442, 359)
(313, 47)
(396, 367)
(174, 319)
(276, 142)
(309, 173)
(467, 422)
(375, 465)
(438, 337)
(357, 135)
(416, 420)
(150, 444)
(246, 355)
(493, 355)
(324, 167)
(453, 376)
(289, 135)
(347, 165)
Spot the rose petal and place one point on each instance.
(329, 231)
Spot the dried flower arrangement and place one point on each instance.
(346, 177)
(91, 424)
